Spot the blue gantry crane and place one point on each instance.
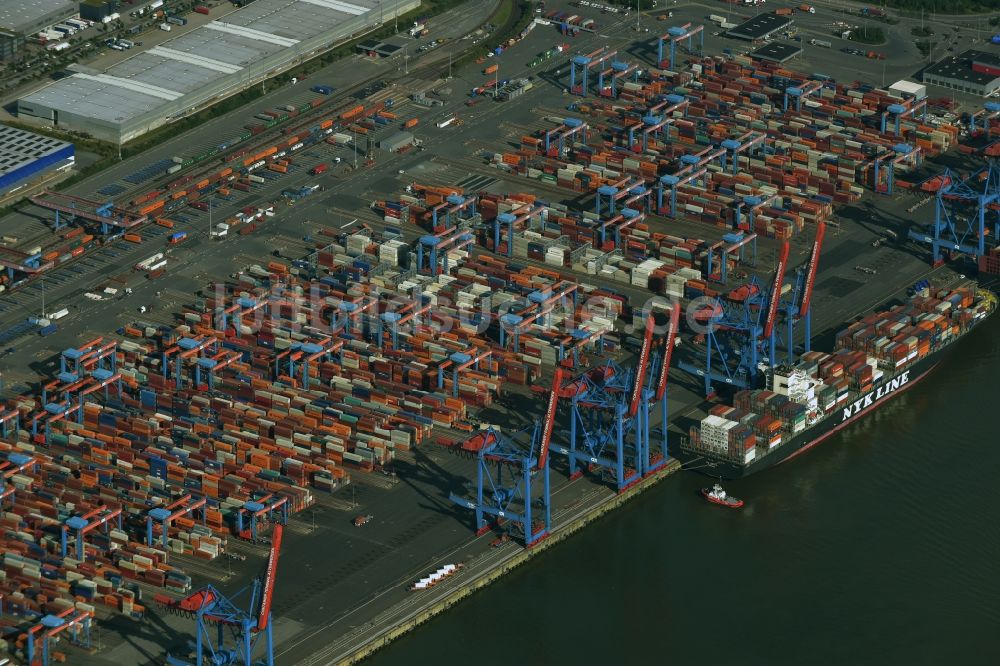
(579, 73)
(217, 615)
(541, 303)
(270, 508)
(508, 476)
(884, 170)
(609, 418)
(166, 515)
(741, 331)
(734, 331)
(555, 138)
(110, 218)
(617, 71)
(965, 213)
(799, 92)
(14, 464)
(902, 110)
(511, 220)
(41, 638)
(677, 34)
(750, 205)
(797, 305)
(731, 243)
(436, 248)
(101, 516)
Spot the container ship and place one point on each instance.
(874, 360)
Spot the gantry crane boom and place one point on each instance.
(668, 351)
(641, 366)
(779, 277)
(272, 569)
(811, 269)
(550, 417)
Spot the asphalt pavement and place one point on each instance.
(323, 606)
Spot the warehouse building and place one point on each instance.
(761, 27)
(776, 52)
(908, 90)
(25, 156)
(20, 18)
(98, 10)
(395, 142)
(202, 66)
(973, 72)
(30, 16)
(10, 43)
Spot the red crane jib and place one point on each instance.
(550, 417)
(641, 367)
(479, 441)
(272, 570)
(779, 277)
(668, 351)
(196, 601)
(813, 267)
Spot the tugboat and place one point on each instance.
(716, 495)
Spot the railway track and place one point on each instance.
(301, 123)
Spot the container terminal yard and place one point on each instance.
(361, 321)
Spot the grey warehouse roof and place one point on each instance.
(959, 67)
(18, 15)
(759, 26)
(228, 47)
(776, 51)
(18, 148)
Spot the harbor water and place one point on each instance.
(881, 545)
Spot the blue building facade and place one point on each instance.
(24, 155)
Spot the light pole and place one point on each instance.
(210, 218)
(637, 16)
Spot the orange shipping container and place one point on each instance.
(412, 122)
(352, 113)
(145, 210)
(133, 238)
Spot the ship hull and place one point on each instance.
(810, 437)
